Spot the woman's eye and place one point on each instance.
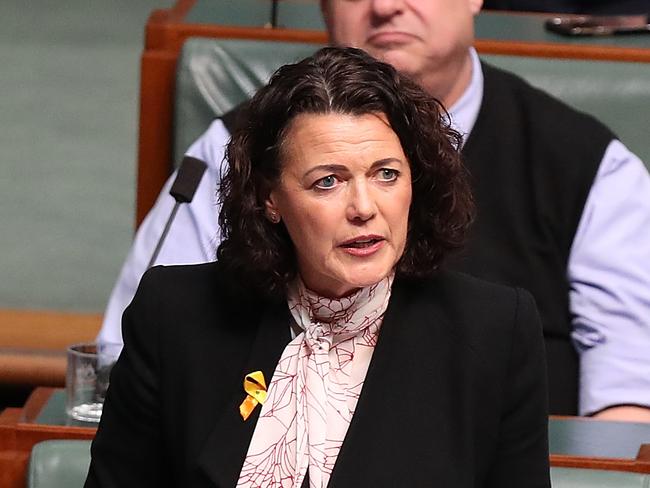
(387, 174)
(327, 182)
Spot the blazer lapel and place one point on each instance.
(225, 449)
(391, 400)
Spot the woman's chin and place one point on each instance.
(347, 274)
(362, 280)
(347, 286)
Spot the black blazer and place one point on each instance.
(455, 395)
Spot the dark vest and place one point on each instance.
(608, 7)
(532, 161)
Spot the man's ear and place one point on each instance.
(475, 6)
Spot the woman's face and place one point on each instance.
(344, 195)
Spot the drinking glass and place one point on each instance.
(87, 378)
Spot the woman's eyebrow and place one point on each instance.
(381, 162)
(327, 167)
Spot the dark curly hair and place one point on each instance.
(258, 255)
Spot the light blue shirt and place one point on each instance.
(608, 269)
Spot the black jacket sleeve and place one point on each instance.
(128, 449)
(522, 452)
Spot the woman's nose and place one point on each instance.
(361, 204)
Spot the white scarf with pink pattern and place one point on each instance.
(315, 387)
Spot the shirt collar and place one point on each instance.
(464, 112)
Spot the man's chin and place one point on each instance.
(400, 59)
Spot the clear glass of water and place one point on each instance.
(87, 378)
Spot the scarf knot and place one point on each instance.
(318, 337)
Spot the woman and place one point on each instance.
(327, 347)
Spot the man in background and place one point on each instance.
(563, 207)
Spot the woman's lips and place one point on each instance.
(363, 247)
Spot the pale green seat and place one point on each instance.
(58, 464)
(597, 478)
(214, 75)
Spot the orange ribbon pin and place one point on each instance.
(255, 388)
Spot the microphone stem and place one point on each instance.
(274, 13)
(163, 236)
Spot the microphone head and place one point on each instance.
(187, 179)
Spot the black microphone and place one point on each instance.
(274, 13)
(183, 189)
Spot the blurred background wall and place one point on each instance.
(69, 88)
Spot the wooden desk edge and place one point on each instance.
(608, 464)
(19, 432)
(644, 453)
(639, 464)
(35, 404)
(32, 409)
(562, 51)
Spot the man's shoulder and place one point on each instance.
(531, 128)
(235, 116)
(511, 91)
(500, 81)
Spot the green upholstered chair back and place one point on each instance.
(596, 478)
(64, 464)
(59, 464)
(214, 75)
